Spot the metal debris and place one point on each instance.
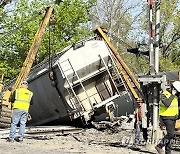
(123, 122)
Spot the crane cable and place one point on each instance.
(49, 49)
(50, 59)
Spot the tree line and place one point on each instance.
(125, 20)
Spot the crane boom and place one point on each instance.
(123, 68)
(5, 105)
(33, 49)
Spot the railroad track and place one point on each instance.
(35, 131)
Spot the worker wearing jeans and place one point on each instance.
(21, 99)
(168, 111)
(19, 116)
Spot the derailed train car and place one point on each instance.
(81, 82)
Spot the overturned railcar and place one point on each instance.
(82, 81)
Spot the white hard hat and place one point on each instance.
(176, 85)
(25, 82)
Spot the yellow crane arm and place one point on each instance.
(33, 49)
(1, 81)
(125, 77)
(5, 105)
(30, 56)
(123, 68)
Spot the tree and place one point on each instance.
(169, 32)
(120, 18)
(21, 26)
(4, 2)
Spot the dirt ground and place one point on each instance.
(89, 141)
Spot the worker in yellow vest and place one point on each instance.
(168, 111)
(21, 99)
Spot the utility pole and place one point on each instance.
(154, 82)
(156, 89)
(152, 72)
(157, 31)
(151, 49)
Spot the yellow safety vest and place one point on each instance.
(22, 99)
(172, 110)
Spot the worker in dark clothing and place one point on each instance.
(21, 99)
(138, 123)
(168, 111)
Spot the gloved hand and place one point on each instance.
(174, 91)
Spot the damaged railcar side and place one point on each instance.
(81, 83)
